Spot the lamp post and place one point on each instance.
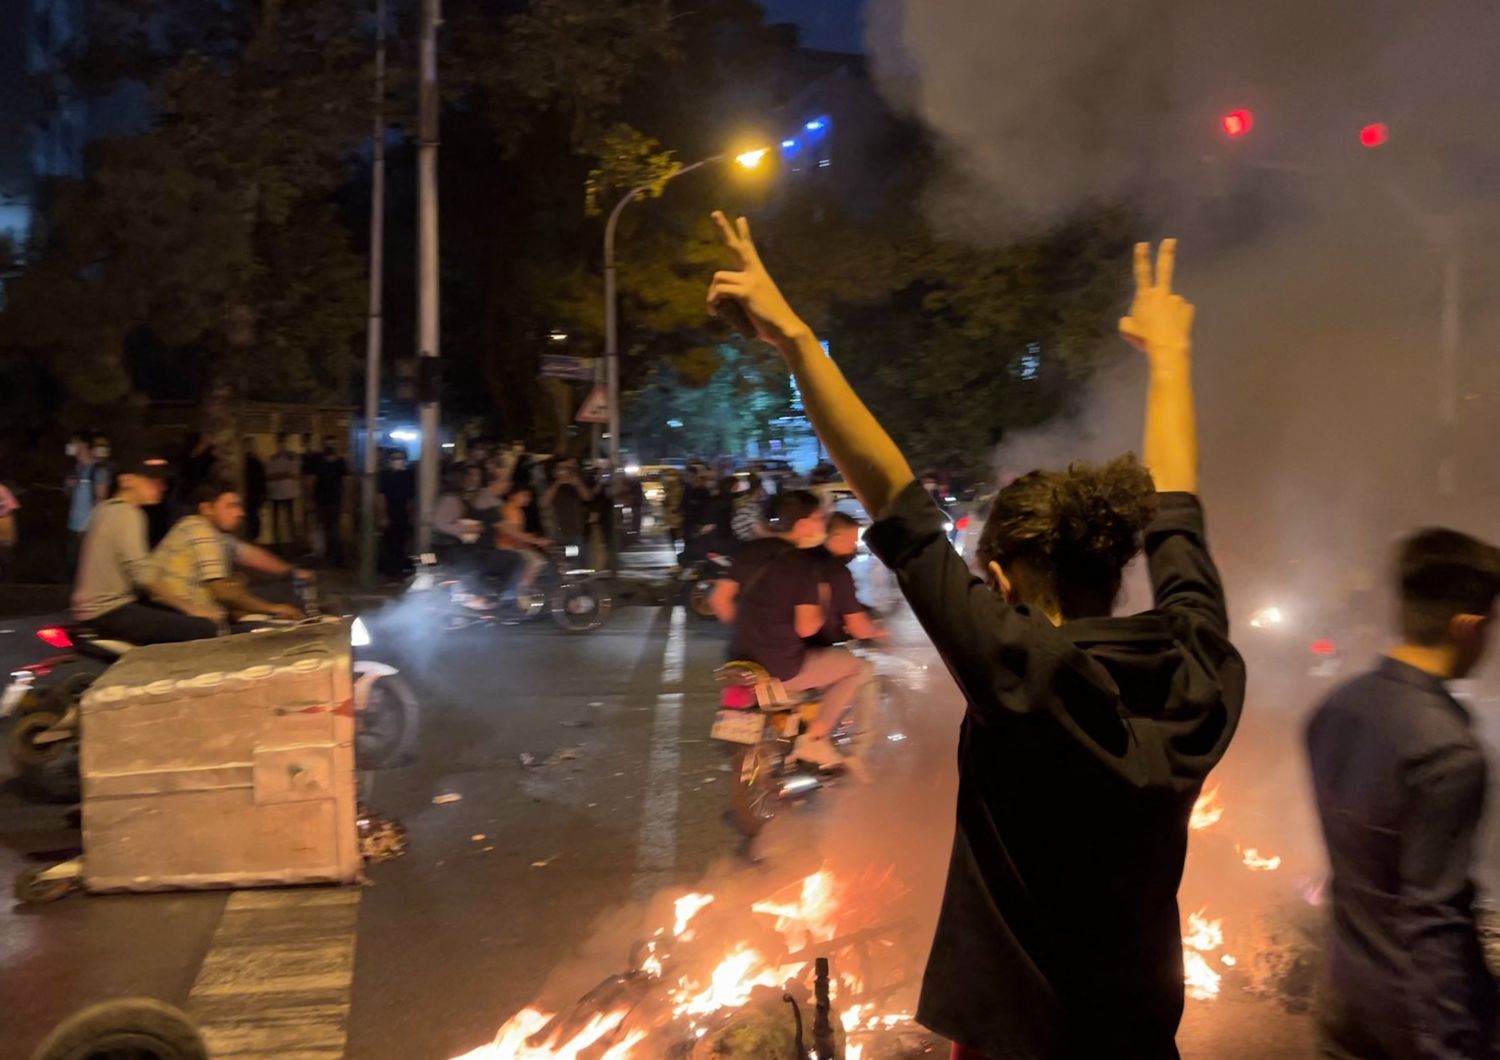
(749, 160)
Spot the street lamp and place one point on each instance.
(746, 160)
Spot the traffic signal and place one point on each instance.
(1237, 123)
(1374, 135)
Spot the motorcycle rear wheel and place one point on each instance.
(754, 789)
(25, 752)
(581, 607)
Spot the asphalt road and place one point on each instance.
(534, 881)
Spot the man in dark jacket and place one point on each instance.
(1087, 737)
(1400, 782)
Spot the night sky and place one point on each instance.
(833, 25)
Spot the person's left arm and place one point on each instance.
(1444, 796)
(870, 461)
(263, 561)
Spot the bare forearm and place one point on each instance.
(1171, 444)
(869, 460)
(262, 560)
(235, 598)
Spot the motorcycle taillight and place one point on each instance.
(54, 637)
(737, 697)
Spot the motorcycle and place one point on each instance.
(761, 721)
(579, 599)
(46, 698)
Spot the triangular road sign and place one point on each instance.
(595, 407)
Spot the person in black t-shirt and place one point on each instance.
(845, 615)
(329, 473)
(398, 492)
(1087, 736)
(773, 599)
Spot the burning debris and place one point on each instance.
(1207, 811)
(690, 994)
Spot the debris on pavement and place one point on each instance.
(544, 864)
(380, 837)
(478, 838)
(443, 800)
(562, 754)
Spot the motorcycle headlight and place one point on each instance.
(570, 552)
(359, 636)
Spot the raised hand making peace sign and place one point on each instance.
(752, 289)
(1159, 321)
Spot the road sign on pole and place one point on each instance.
(596, 408)
(563, 366)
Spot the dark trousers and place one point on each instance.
(332, 518)
(252, 518)
(395, 549)
(284, 521)
(152, 624)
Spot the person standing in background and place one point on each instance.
(671, 507)
(312, 529)
(1399, 775)
(398, 493)
(568, 501)
(87, 485)
(281, 487)
(255, 490)
(328, 495)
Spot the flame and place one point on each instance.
(514, 1040)
(1207, 810)
(809, 912)
(810, 918)
(1201, 938)
(1252, 860)
(687, 907)
(732, 983)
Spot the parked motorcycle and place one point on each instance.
(46, 698)
(761, 721)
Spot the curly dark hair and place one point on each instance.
(1066, 536)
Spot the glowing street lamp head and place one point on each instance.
(752, 159)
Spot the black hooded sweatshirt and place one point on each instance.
(1083, 750)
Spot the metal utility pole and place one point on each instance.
(376, 323)
(611, 303)
(427, 270)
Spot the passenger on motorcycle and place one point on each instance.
(847, 617)
(119, 591)
(512, 537)
(459, 540)
(772, 598)
(197, 559)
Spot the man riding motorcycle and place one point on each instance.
(772, 597)
(118, 590)
(196, 560)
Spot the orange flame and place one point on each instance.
(1252, 860)
(514, 1040)
(1207, 811)
(732, 983)
(1201, 938)
(687, 907)
(810, 918)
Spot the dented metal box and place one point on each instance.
(222, 763)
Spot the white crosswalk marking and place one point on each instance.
(278, 975)
(656, 849)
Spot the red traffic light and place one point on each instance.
(1238, 122)
(1374, 135)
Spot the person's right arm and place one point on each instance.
(725, 595)
(1444, 798)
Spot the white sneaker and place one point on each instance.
(818, 751)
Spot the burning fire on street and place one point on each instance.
(686, 996)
